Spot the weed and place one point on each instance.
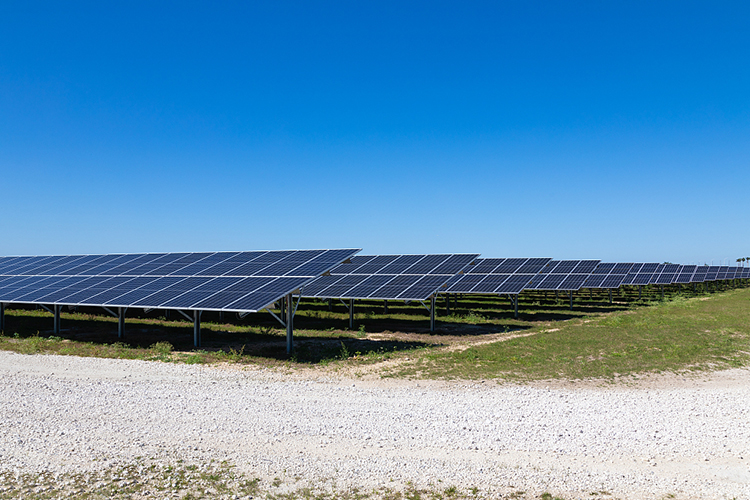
(344, 352)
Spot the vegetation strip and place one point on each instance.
(479, 340)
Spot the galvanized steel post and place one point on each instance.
(289, 324)
(197, 328)
(432, 314)
(351, 314)
(120, 322)
(56, 324)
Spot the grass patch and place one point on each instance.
(152, 479)
(480, 337)
(673, 335)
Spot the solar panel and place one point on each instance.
(685, 274)
(398, 277)
(712, 273)
(567, 275)
(608, 275)
(497, 276)
(699, 276)
(221, 281)
(641, 274)
(666, 274)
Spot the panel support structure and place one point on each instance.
(351, 314)
(2, 317)
(197, 328)
(515, 306)
(432, 313)
(120, 322)
(385, 306)
(289, 324)
(610, 296)
(56, 327)
(448, 304)
(571, 300)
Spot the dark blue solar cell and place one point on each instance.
(585, 267)
(400, 265)
(206, 264)
(594, 281)
(485, 266)
(622, 268)
(551, 282)
(253, 302)
(427, 264)
(423, 288)
(310, 269)
(187, 299)
(612, 281)
(604, 268)
(247, 285)
(318, 286)
(572, 282)
(369, 286)
(642, 278)
(465, 283)
(511, 266)
(532, 266)
(219, 300)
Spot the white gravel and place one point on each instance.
(693, 441)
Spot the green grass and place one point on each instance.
(689, 331)
(699, 333)
(156, 479)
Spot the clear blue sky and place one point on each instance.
(610, 130)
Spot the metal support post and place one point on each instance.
(455, 301)
(289, 325)
(221, 316)
(662, 291)
(571, 300)
(56, 323)
(197, 328)
(639, 292)
(351, 314)
(2, 317)
(385, 306)
(694, 290)
(447, 304)
(432, 314)
(515, 306)
(610, 296)
(330, 304)
(120, 322)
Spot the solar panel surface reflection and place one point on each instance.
(385, 277)
(565, 275)
(497, 276)
(223, 281)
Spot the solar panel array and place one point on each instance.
(398, 277)
(219, 281)
(564, 275)
(497, 276)
(250, 281)
(608, 275)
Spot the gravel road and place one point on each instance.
(691, 440)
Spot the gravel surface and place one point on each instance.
(691, 439)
